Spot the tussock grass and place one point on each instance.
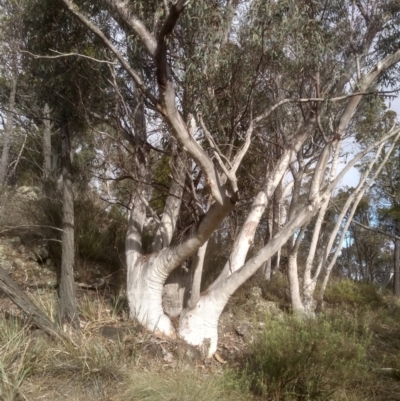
(180, 386)
(19, 357)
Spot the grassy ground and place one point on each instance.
(351, 352)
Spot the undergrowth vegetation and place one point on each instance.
(298, 359)
(349, 352)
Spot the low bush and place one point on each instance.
(354, 294)
(307, 359)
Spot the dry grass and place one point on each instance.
(347, 354)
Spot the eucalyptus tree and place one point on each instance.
(10, 36)
(69, 90)
(219, 79)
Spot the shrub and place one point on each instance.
(306, 359)
(354, 294)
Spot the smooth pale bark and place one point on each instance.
(175, 290)
(178, 281)
(68, 314)
(198, 264)
(182, 287)
(147, 274)
(246, 235)
(277, 222)
(294, 243)
(294, 285)
(46, 142)
(7, 133)
(309, 280)
(199, 325)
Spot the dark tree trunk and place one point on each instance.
(15, 293)
(397, 268)
(67, 305)
(46, 142)
(7, 136)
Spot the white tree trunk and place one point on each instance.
(294, 286)
(246, 235)
(199, 325)
(310, 281)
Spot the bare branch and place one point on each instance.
(10, 228)
(376, 230)
(59, 55)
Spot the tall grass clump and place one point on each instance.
(86, 363)
(19, 356)
(307, 359)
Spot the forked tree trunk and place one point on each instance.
(68, 313)
(147, 274)
(199, 325)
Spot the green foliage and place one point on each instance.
(277, 289)
(307, 359)
(354, 294)
(99, 232)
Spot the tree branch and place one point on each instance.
(73, 8)
(120, 7)
(376, 230)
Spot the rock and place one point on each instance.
(245, 329)
(187, 353)
(255, 293)
(41, 253)
(15, 241)
(262, 306)
(6, 266)
(113, 333)
(225, 324)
